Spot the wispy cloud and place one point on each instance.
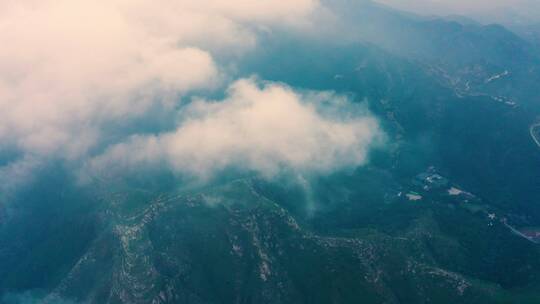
(31, 297)
(258, 127)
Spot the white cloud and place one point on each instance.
(69, 69)
(70, 66)
(262, 129)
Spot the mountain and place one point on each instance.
(447, 211)
(471, 58)
(530, 32)
(239, 242)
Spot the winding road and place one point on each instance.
(533, 135)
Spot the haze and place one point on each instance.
(488, 11)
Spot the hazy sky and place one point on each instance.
(487, 10)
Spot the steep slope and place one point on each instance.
(230, 244)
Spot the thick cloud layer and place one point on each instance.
(262, 129)
(69, 66)
(71, 69)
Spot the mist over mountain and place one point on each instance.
(520, 16)
(269, 152)
(488, 11)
